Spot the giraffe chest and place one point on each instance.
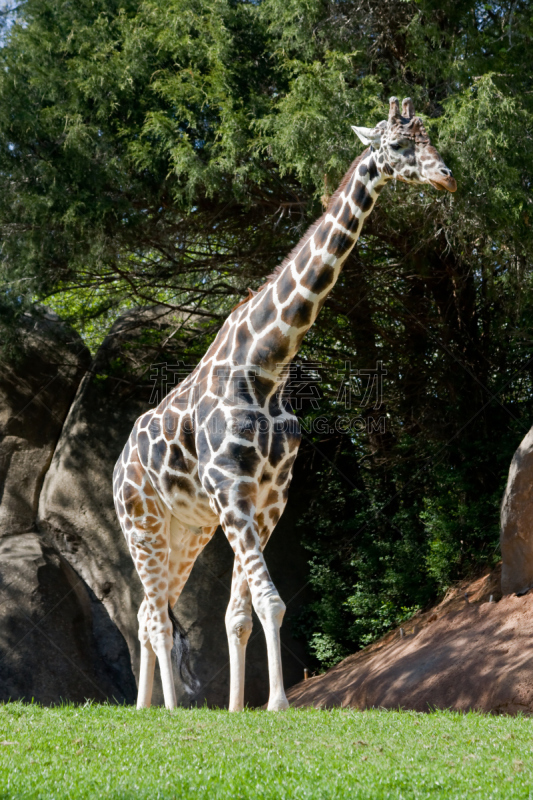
(249, 453)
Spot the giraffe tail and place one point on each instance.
(181, 651)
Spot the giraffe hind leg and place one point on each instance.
(155, 635)
(150, 653)
(145, 522)
(148, 659)
(148, 539)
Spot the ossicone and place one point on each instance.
(408, 109)
(394, 109)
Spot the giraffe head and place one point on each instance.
(403, 149)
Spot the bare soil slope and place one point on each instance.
(466, 653)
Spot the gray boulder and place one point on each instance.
(56, 642)
(37, 386)
(76, 509)
(48, 616)
(516, 533)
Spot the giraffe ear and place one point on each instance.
(368, 135)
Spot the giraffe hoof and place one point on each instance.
(278, 705)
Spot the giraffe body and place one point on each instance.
(220, 448)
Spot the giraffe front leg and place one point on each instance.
(270, 609)
(238, 519)
(238, 629)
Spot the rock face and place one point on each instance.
(48, 617)
(516, 536)
(57, 643)
(77, 515)
(36, 390)
(76, 504)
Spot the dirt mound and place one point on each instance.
(466, 653)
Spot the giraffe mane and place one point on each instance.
(307, 235)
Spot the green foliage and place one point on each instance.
(124, 133)
(90, 310)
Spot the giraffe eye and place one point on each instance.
(395, 146)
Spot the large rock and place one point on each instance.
(48, 616)
(76, 512)
(516, 535)
(36, 389)
(57, 642)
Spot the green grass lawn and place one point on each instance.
(107, 751)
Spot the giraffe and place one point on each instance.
(220, 447)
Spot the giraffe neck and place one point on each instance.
(287, 307)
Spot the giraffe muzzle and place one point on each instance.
(441, 182)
